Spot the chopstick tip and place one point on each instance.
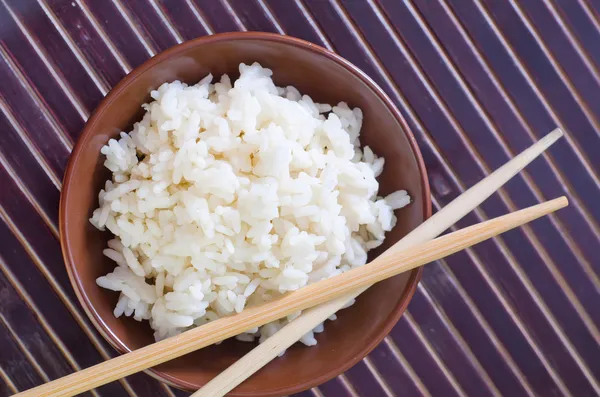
(549, 139)
(559, 202)
(556, 133)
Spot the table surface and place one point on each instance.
(478, 81)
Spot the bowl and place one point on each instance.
(327, 78)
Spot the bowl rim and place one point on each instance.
(96, 320)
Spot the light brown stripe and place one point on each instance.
(594, 19)
(60, 80)
(565, 287)
(39, 157)
(166, 388)
(573, 197)
(589, 219)
(14, 176)
(518, 322)
(406, 366)
(557, 67)
(542, 305)
(427, 345)
(527, 230)
(506, 198)
(232, 13)
(568, 32)
(483, 114)
(270, 16)
(59, 291)
(125, 66)
(347, 385)
(317, 392)
(517, 62)
(489, 331)
(99, 81)
(555, 325)
(8, 381)
(445, 165)
(147, 45)
(55, 126)
(509, 310)
(24, 350)
(200, 17)
(458, 339)
(378, 64)
(380, 379)
(22, 292)
(166, 21)
(311, 20)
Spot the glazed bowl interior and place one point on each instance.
(327, 79)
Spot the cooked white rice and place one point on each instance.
(223, 197)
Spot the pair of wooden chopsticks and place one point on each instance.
(329, 294)
(428, 230)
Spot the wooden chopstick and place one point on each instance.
(382, 267)
(262, 354)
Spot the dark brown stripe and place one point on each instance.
(7, 386)
(165, 21)
(16, 137)
(79, 30)
(17, 369)
(219, 14)
(100, 83)
(459, 341)
(334, 388)
(24, 93)
(251, 16)
(10, 283)
(127, 40)
(56, 55)
(149, 24)
(186, 19)
(361, 384)
(305, 28)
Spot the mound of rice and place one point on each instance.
(227, 195)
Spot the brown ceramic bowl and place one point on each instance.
(314, 71)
